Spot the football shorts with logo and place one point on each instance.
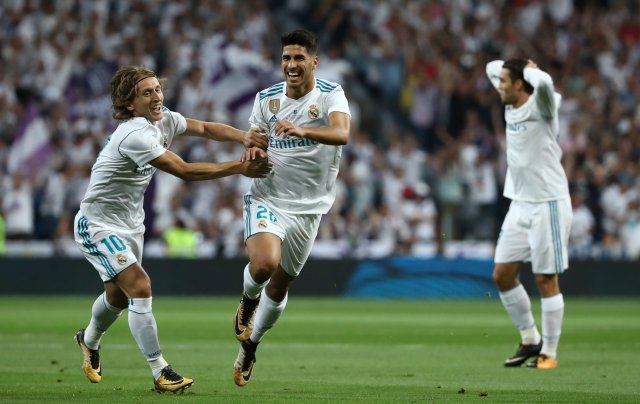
(297, 231)
(109, 251)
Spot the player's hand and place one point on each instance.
(531, 64)
(286, 129)
(255, 137)
(259, 167)
(253, 153)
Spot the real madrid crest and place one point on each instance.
(122, 259)
(274, 106)
(313, 113)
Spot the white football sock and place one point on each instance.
(143, 327)
(267, 315)
(516, 302)
(102, 316)
(552, 314)
(252, 288)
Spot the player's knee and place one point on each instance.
(547, 285)
(263, 269)
(503, 280)
(498, 278)
(140, 289)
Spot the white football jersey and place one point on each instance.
(534, 170)
(304, 171)
(121, 174)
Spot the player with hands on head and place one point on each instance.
(537, 225)
(109, 226)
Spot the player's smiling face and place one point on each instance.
(148, 100)
(298, 67)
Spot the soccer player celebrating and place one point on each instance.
(537, 226)
(307, 121)
(109, 226)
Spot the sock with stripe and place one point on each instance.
(143, 327)
(552, 315)
(102, 316)
(517, 303)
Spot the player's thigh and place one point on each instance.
(301, 234)
(513, 245)
(109, 251)
(264, 250)
(549, 237)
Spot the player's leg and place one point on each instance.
(105, 311)
(301, 232)
(263, 235)
(518, 305)
(269, 311)
(552, 304)
(255, 306)
(96, 244)
(550, 238)
(264, 258)
(136, 285)
(513, 248)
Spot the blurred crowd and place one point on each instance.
(425, 164)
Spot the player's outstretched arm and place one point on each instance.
(173, 164)
(225, 133)
(337, 133)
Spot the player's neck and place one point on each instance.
(300, 91)
(521, 101)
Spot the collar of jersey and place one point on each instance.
(304, 97)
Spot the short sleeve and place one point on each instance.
(336, 101)
(142, 146)
(179, 121)
(257, 119)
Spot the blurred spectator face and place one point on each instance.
(298, 66)
(148, 100)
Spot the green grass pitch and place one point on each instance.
(325, 351)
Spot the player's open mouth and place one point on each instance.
(293, 75)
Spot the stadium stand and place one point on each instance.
(424, 169)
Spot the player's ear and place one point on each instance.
(519, 84)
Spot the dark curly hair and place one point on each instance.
(123, 89)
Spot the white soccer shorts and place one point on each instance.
(109, 251)
(297, 231)
(536, 232)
